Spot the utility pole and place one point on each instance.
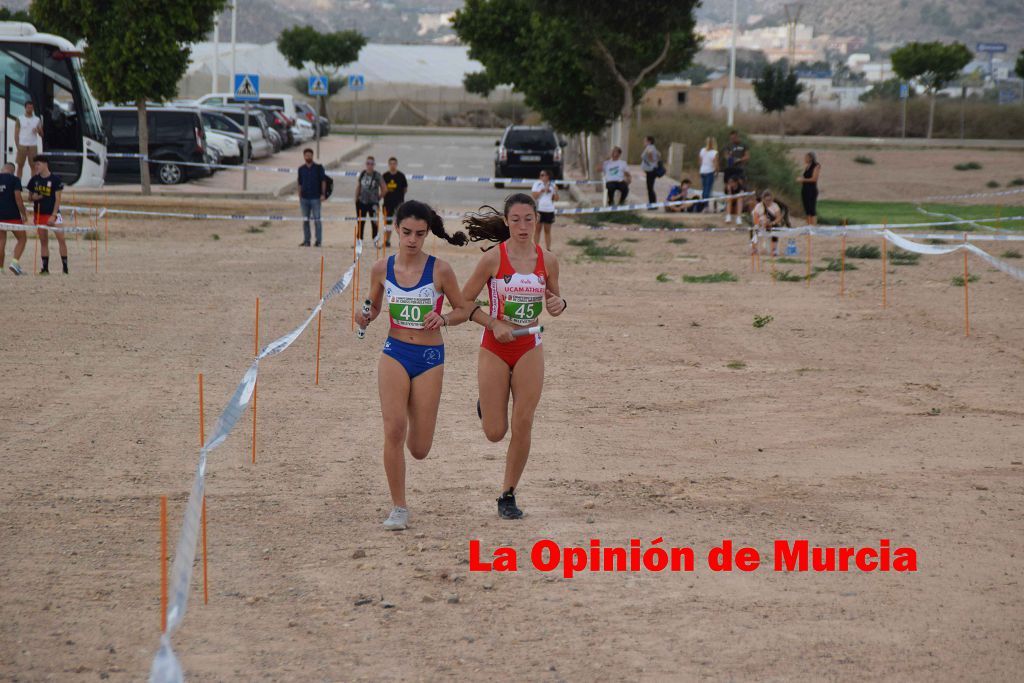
(234, 31)
(792, 18)
(732, 65)
(216, 53)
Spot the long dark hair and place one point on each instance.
(415, 209)
(488, 224)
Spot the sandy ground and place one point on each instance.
(900, 175)
(845, 424)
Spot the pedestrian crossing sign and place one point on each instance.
(318, 86)
(247, 88)
(356, 82)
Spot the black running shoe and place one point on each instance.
(507, 506)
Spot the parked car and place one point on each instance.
(524, 151)
(280, 122)
(280, 100)
(227, 148)
(176, 134)
(307, 112)
(257, 124)
(259, 147)
(303, 131)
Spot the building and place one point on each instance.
(706, 98)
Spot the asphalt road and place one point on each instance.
(438, 155)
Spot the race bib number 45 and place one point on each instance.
(522, 312)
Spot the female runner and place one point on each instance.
(411, 368)
(521, 278)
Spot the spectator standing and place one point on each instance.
(395, 186)
(650, 160)
(312, 191)
(28, 131)
(616, 177)
(545, 193)
(708, 169)
(12, 211)
(737, 156)
(369, 189)
(45, 190)
(809, 187)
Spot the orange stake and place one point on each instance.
(967, 320)
(256, 384)
(884, 276)
(319, 315)
(163, 564)
(808, 278)
(842, 262)
(202, 442)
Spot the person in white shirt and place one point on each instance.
(766, 215)
(708, 169)
(28, 131)
(616, 177)
(545, 193)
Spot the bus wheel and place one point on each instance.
(170, 174)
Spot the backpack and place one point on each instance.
(328, 186)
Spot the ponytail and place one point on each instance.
(488, 224)
(415, 209)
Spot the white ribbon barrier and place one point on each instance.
(24, 227)
(449, 216)
(336, 174)
(166, 668)
(974, 195)
(938, 250)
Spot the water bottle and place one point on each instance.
(361, 331)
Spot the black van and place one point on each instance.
(523, 151)
(175, 134)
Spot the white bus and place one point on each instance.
(46, 70)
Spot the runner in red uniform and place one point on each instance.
(522, 279)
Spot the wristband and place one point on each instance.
(470, 318)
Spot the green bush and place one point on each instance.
(835, 265)
(1010, 253)
(861, 159)
(958, 280)
(898, 257)
(1016, 182)
(663, 277)
(724, 276)
(863, 251)
(967, 166)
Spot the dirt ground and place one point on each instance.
(900, 175)
(838, 422)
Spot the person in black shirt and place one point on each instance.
(312, 191)
(395, 184)
(45, 190)
(737, 156)
(12, 211)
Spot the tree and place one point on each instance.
(888, 89)
(136, 50)
(322, 53)
(777, 88)
(933, 65)
(581, 65)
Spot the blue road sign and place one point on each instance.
(318, 86)
(990, 47)
(356, 82)
(904, 91)
(247, 87)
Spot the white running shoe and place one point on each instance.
(397, 520)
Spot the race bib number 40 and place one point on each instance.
(409, 315)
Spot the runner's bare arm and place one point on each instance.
(376, 295)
